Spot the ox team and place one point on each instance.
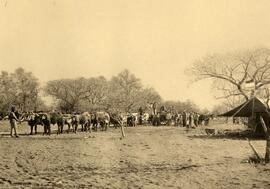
(102, 120)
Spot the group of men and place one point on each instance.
(189, 119)
(185, 119)
(170, 116)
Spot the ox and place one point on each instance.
(102, 119)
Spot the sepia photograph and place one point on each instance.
(134, 94)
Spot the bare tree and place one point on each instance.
(69, 92)
(231, 72)
(125, 88)
(148, 95)
(96, 90)
(26, 86)
(7, 91)
(20, 88)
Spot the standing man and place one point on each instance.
(184, 118)
(154, 107)
(140, 115)
(13, 122)
(191, 120)
(188, 119)
(195, 118)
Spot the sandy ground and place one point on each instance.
(149, 157)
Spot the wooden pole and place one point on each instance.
(122, 128)
(267, 136)
(122, 131)
(267, 151)
(254, 151)
(263, 125)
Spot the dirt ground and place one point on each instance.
(149, 157)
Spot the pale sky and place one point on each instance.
(155, 39)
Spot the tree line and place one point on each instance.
(122, 93)
(231, 74)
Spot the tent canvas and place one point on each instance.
(247, 109)
(253, 108)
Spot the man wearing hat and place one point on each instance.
(13, 122)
